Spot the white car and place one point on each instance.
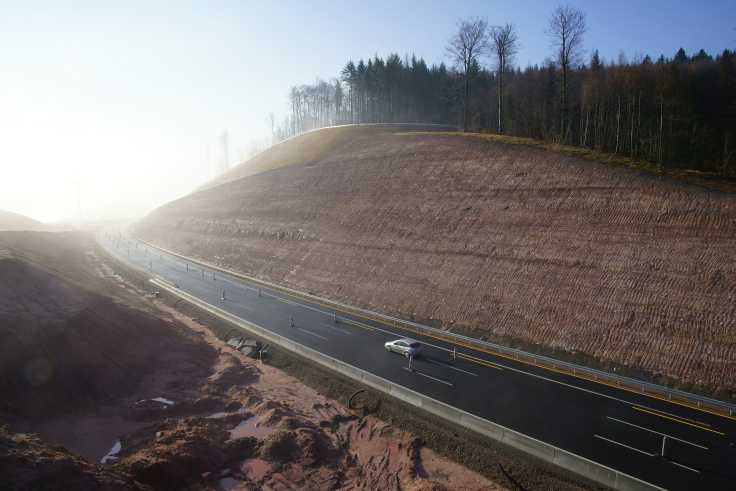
(404, 346)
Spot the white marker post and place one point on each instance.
(411, 362)
(223, 295)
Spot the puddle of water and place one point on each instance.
(249, 427)
(168, 402)
(255, 469)
(112, 454)
(224, 414)
(228, 483)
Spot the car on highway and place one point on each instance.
(404, 346)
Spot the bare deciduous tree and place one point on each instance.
(504, 44)
(470, 42)
(566, 30)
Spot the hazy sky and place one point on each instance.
(110, 107)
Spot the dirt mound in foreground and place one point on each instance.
(57, 339)
(193, 415)
(29, 463)
(511, 243)
(14, 221)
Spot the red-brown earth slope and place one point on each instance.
(509, 242)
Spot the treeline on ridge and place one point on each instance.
(678, 111)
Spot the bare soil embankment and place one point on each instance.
(507, 242)
(14, 221)
(91, 370)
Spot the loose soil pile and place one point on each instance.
(506, 242)
(92, 369)
(14, 221)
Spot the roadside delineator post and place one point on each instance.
(223, 295)
(334, 317)
(203, 274)
(187, 267)
(291, 319)
(411, 362)
(664, 441)
(213, 276)
(259, 292)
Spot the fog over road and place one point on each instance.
(663, 443)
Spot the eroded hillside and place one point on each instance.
(510, 242)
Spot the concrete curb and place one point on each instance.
(562, 458)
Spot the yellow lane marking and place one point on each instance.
(479, 361)
(456, 343)
(701, 423)
(678, 420)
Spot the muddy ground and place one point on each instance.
(519, 245)
(91, 370)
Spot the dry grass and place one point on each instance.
(692, 176)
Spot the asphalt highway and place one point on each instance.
(663, 443)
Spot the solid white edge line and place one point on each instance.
(541, 377)
(239, 321)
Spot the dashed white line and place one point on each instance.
(684, 466)
(429, 376)
(655, 432)
(445, 365)
(313, 334)
(334, 328)
(625, 446)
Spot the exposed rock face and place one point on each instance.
(510, 242)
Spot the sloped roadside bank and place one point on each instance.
(480, 454)
(518, 245)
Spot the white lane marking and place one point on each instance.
(429, 376)
(313, 334)
(517, 370)
(655, 432)
(625, 446)
(684, 466)
(334, 328)
(449, 366)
